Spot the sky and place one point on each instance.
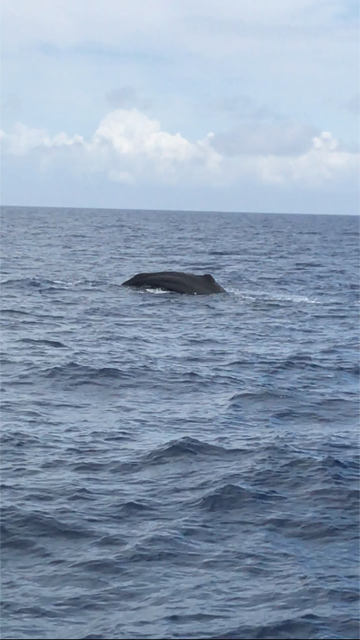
(215, 105)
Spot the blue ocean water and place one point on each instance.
(179, 466)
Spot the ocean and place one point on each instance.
(179, 466)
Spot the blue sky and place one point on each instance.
(176, 104)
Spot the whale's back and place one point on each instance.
(176, 281)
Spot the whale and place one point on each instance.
(177, 282)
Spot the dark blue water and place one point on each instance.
(179, 466)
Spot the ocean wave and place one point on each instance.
(307, 627)
(273, 298)
(301, 265)
(81, 374)
(231, 496)
(17, 438)
(47, 284)
(37, 524)
(48, 343)
(258, 396)
(163, 547)
(15, 312)
(184, 448)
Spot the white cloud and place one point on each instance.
(137, 146)
(25, 139)
(129, 147)
(325, 163)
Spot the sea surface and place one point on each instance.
(179, 466)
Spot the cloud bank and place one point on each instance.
(130, 147)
